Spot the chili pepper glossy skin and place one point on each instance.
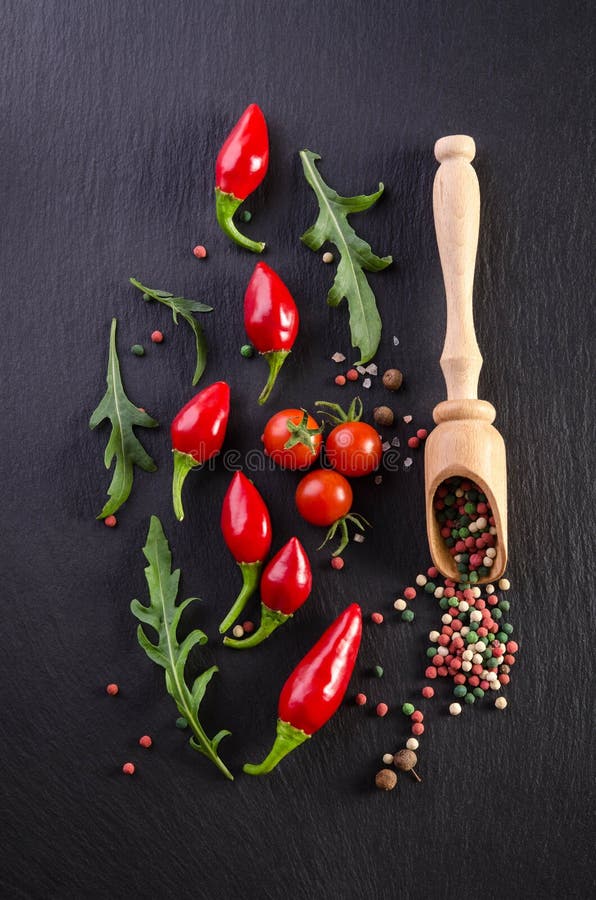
(246, 528)
(316, 687)
(197, 434)
(240, 168)
(271, 320)
(285, 585)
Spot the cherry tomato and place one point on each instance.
(354, 449)
(323, 497)
(292, 439)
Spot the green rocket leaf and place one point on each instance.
(356, 256)
(180, 306)
(123, 445)
(163, 615)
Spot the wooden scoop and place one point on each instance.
(465, 443)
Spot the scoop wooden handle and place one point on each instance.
(456, 206)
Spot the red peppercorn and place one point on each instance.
(128, 768)
(509, 659)
(512, 647)
(112, 689)
(485, 685)
(430, 672)
(156, 337)
(377, 618)
(110, 521)
(413, 442)
(428, 692)
(337, 562)
(473, 681)
(145, 741)
(417, 728)
(503, 678)
(340, 380)
(410, 593)
(442, 671)
(382, 709)
(482, 631)
(352, 375)
(460, 678)
(476, 669)
(456, 664)
(200, 252)
(417, 716)
(360, 699)
(248, 626)
(422, 435)
(437, 660)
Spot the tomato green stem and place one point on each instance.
(250, 582)
(183, 463)
(225, 207)
(287, 739)
(270, 620)
(275, 360)
(342, 524)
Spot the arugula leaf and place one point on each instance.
(356, 256)
(123, 445)
(180, 306)
(163, 616)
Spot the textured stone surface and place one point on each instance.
(112, 114)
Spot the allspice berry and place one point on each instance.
(392, 379)
(405, 760)
(386, 780)
(383, 415)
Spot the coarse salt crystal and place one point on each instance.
(371, 369)
(407, 419)
(359, 538)
(338, 357)
(361, 369)
(407, 462)
(378, 479)
(366, 383)
(395, 442)
(395, 341)
(385, 446)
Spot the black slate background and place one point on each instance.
(111, 116)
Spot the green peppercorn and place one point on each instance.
(473, 577)
(247, 350)
(473, 497)
(432, 651)
(505, 605)
(245, 215)
(507, 628)
(449, 500)
(491, 663)
(482, 571)
(478, 692)
(469, 698)
(453, 601)
(378, 671)
(460, 690)
(429, 587)
(464, 532)
(181, 722)
(146, 298)
(137, 349)
(474, 626)
(471, 637)
(407, 615)
(470, 508)
(444, 603)
(502, 637)
(450, 542)
(496, 613)
(408, 709)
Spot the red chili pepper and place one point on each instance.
(197, 432)
(240, 168)
(246, 528)
(285, 585)
(316, 687)
(270, 319)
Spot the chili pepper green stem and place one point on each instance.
(183, 463)
(275, 359)
(288, 738)
(225, 207)
(250, 582)
(270, 620)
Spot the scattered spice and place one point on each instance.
(408, 709)
(383, 416)
(199, 251)
(412, 743)
(238, 631)
(388, 758)
(128, 768)
(422, 434)
(377, 618)
(360, 699)
(366, 383)
(338, 357)
(501, 702)
(137, 350)
(428, 692)
(408, 462)
(382, 709)
(340, 380)
(145, 741)
(413, 443)
(454, 709)
(328, 257)
(393, 379)
(400, 604)
(378, 671)
(337, 563)
(352, 375)
(181, 723)
(248, 626)
(385, 780)
(157, 337)
(110, 521)
(407, 419)
(245, 215)
(112, 689)
(405, 760)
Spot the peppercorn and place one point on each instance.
(383, 416)
(110, 521)
(393, 379)
(328, 257)
(137, 349)
(128, 768)
(407, 615)
(385, 780)
(247, 350)
(145, 741)
(378, 671)
(112, 689)
(181, 722)
(408, 709)
(337, 563)
(405, 760)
